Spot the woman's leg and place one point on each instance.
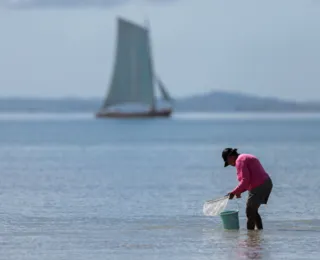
(253, 217)
(257, 196)
(258, 221)
(251, 213)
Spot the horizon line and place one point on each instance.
(192, 95)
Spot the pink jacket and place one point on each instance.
(250, 173)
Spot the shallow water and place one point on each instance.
(80, 188)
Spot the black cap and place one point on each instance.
(226, 152)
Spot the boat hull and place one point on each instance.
(150, 114)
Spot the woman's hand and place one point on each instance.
(231, 195)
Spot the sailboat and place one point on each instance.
(133, 80)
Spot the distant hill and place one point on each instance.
(209, 102)
(238, 102)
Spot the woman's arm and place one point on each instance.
(244, 176)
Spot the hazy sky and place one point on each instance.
(56, 48)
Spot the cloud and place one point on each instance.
(21, 4)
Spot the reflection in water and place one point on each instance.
(250, 247)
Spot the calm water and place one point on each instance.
(73, 187)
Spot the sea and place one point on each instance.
(75, 187)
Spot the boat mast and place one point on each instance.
(147, 26)
(141, 6)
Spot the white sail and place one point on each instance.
(132, 79)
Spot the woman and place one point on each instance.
(254, 179)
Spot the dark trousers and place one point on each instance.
(257, 196)
(253, 218)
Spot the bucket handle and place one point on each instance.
(225, 196)
(238, 205)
